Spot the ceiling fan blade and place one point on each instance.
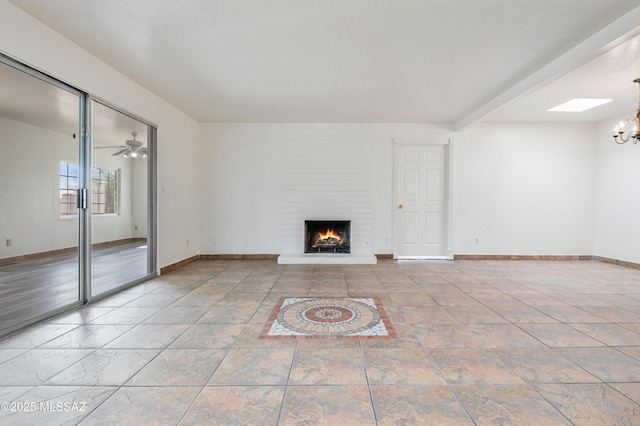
(112, 146)
(122, 151)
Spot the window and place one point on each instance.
(104, 190)
(68, 186)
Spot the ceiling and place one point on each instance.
(438, 61)
(29, 100)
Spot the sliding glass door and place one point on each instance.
(77, 181)
(119, 199)
(40, 177)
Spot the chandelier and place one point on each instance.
(634, 133)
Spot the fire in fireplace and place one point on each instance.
(327, 236)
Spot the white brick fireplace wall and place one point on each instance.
(327, 174)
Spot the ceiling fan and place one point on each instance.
(132, 149)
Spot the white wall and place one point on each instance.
(29, 190)
(521, 188)
(240, 169)
(120, 226)
(524, 189)
(327, 175)
(28, 40)
(617, 203)
(251, 193)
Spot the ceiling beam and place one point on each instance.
(619, 31)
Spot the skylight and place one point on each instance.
(579, 105)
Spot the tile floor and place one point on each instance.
(478, 342)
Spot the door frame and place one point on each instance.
(85, 146)
(447, 208)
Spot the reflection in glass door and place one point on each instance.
(75, 222)
(39, 181)
(119, 199)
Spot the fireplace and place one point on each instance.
(327, 236)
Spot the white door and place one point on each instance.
(421, 201)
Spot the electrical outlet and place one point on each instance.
(135, 227)
(9, 242)
(477, 240)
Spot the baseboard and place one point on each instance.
(520, 257)
(39, 255)
(617, 262)
(117, 242)
(178, 265)
(385, 256)
(239, 256)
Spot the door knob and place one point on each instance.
(400, 206)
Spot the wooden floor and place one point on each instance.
(35, 287)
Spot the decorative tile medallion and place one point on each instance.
(320, 317)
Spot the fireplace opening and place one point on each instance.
(327, 236)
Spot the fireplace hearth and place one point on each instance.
(327, 236)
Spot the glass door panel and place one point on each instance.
(119, 199)
(39, 182)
